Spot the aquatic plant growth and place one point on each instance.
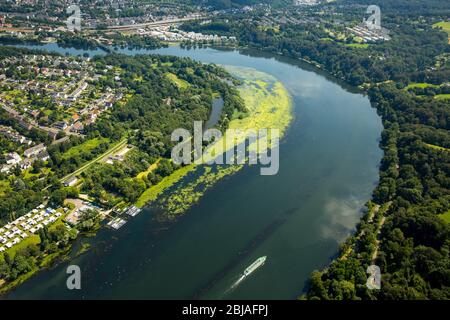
(268, 106)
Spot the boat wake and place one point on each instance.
(252, 268)
(236, 284)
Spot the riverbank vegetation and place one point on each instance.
(37, 253)
(49, 246)
(405, 229)
(111, 159)
(172, 93)
(268, 105)
(407, 82)
(160, 93)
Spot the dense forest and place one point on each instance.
(403, 230)
(415, 46)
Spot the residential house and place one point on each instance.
(34, 151)
(13, 158)
(44, 156)
(61, 125)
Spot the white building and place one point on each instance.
(13, 158)
(34, 151)
(71, 182)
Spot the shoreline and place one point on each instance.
(162, 189)
(258, 101)
(262, 114)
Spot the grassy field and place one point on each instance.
(86, 146)
(4, 187)
(180, 83)
(421, 85)
(28, 174)
(445, 27)
(432, 146)
(358, 45)
(33, 239)
(150, 169)
(111, 151)
(445, 216)
(442, 96)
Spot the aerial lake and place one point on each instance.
(329, 160)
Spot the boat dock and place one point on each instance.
(118, 220)
(116, 223)
(133, 211)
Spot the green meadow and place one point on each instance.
(445, 25)
(33, 239)
(86, 146)
(4, 187)
(180, 83)
(445, 216)
(420, 85)
(432, 146)
(444, 96)
(357, 45)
